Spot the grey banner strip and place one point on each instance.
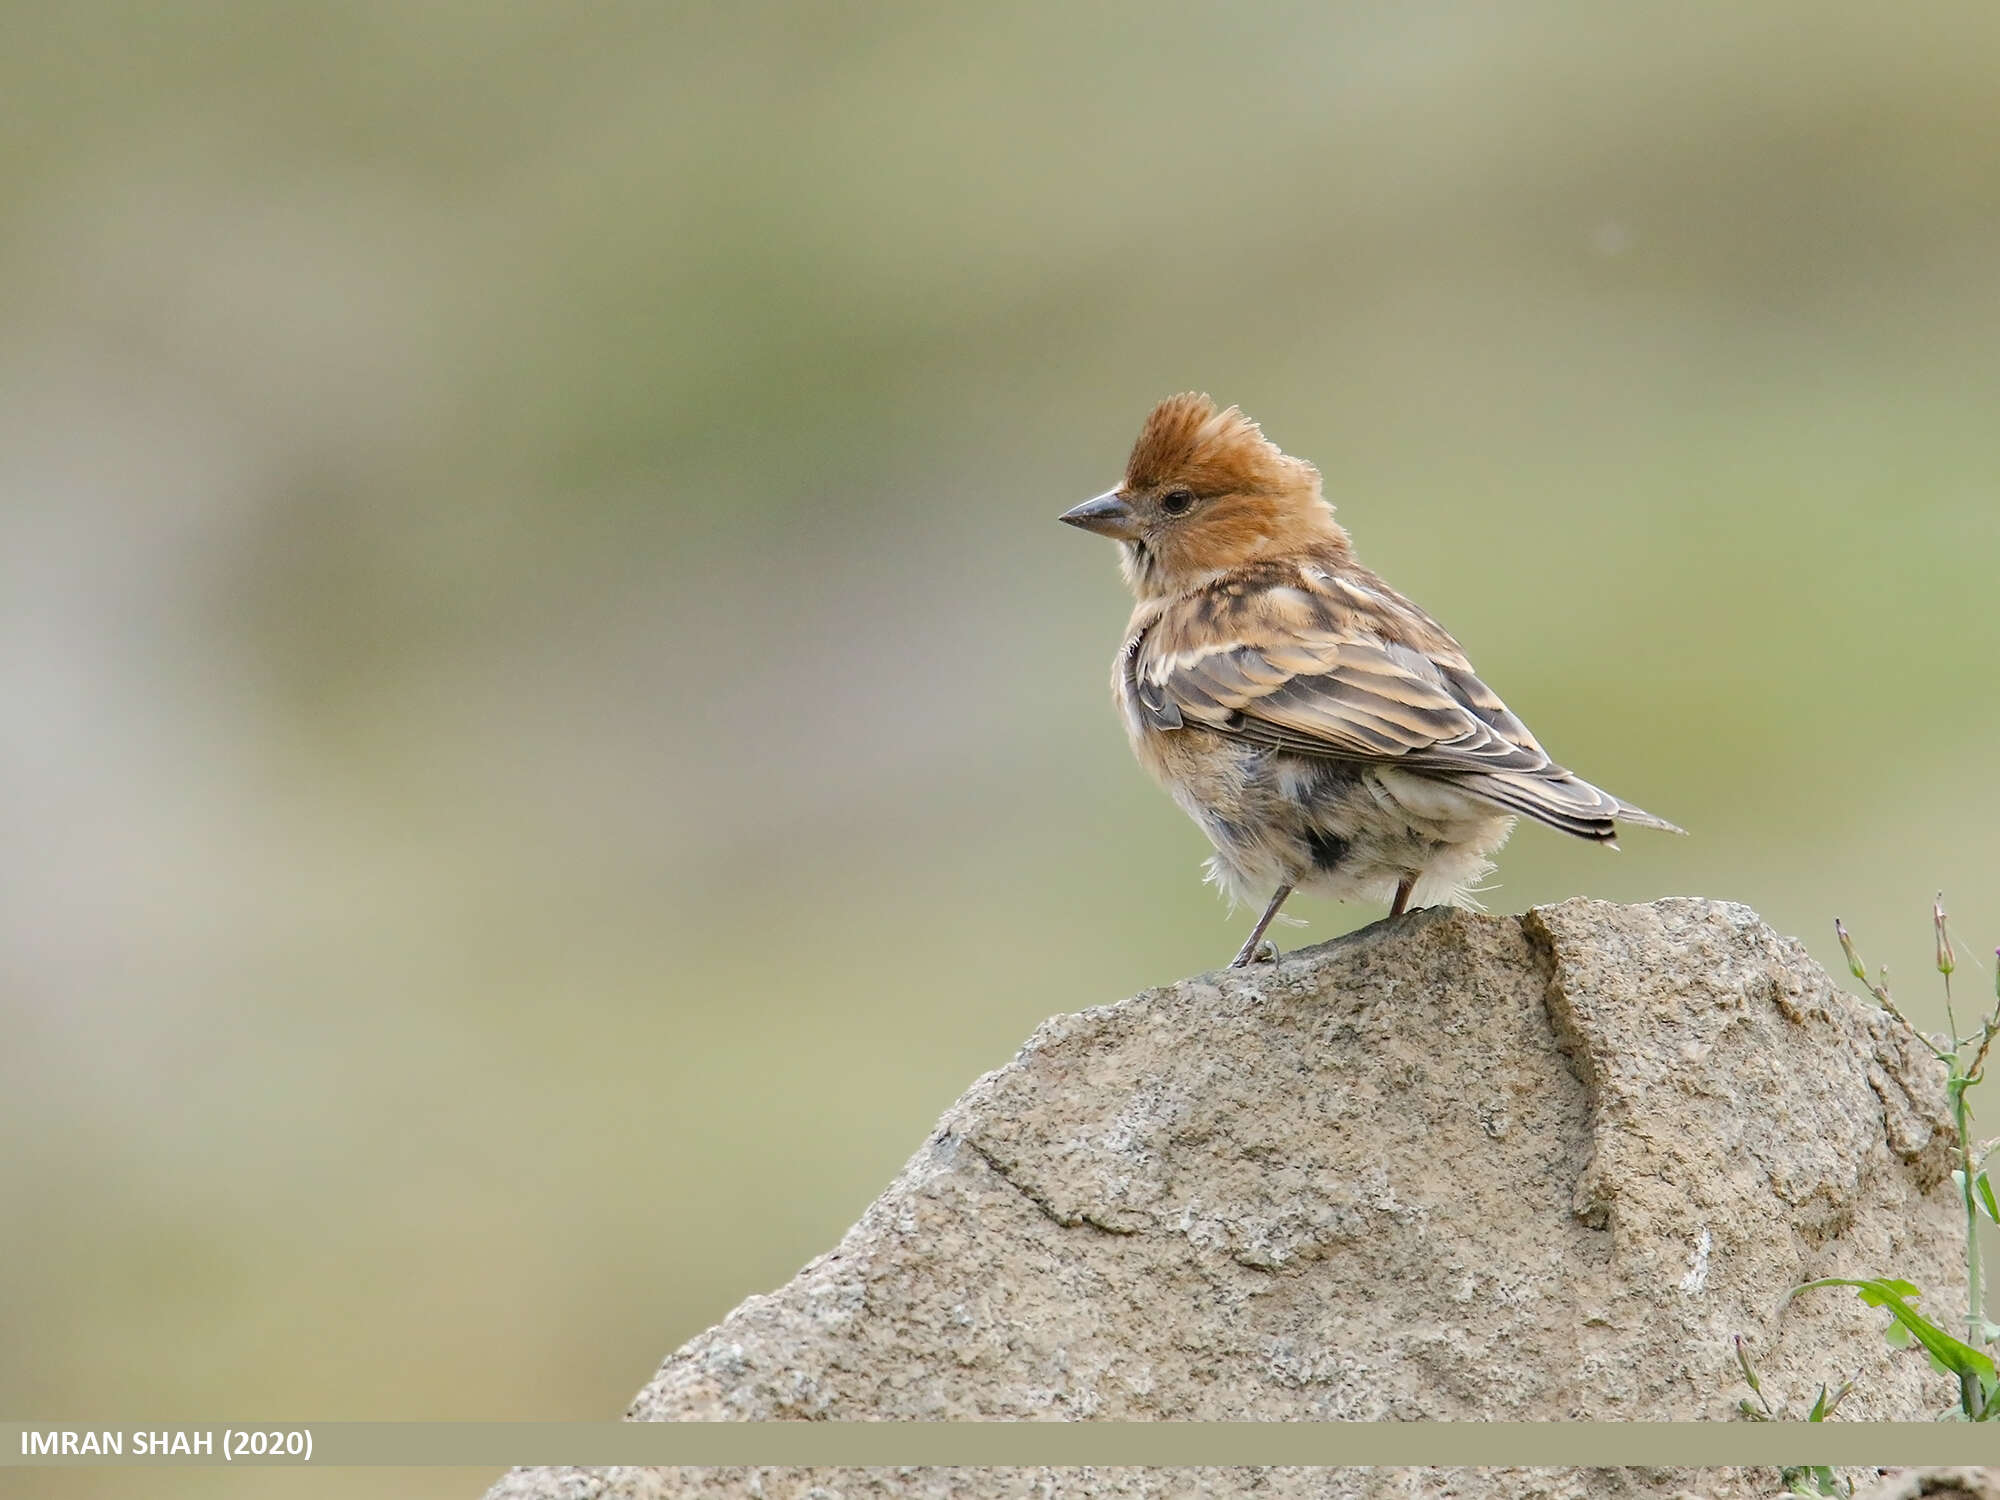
(999, 1444)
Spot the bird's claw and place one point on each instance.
(1266, 952)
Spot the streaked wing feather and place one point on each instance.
(1351, 697)
(1569, 804)
(1359, 697)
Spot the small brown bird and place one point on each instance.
(1326, 733)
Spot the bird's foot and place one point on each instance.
(1265, 952)
(1403, 890)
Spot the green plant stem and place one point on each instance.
(1887, 1002)
(1975, 1303)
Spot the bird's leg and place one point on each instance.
(1249, 949)
(1409, 883)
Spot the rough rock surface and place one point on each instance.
(1224, 1484)
(1452, 1166)
(1938, 1484)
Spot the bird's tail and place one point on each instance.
(1640, 818)
(1565, 802)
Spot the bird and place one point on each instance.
(1326, 734)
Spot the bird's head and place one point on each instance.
(1205, 491)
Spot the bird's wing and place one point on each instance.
(1353, 695)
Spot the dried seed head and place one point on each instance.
(1743, 1363)
(1854, 963)
(1946, 959)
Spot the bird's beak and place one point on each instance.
(1107, 515)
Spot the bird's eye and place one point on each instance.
(1177, 502)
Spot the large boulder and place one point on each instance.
(1452, 1166)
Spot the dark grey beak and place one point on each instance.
(1107, 515)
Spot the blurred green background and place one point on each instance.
(548, 726)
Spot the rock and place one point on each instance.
(1452, 1166)
(1215, 1484)
(1937, 1484)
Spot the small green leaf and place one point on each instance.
(1828, 1403)
(1896, 1336)
(1991, 1410)
(1879, 1291)
(1984, 1185)
(1951, 1355)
